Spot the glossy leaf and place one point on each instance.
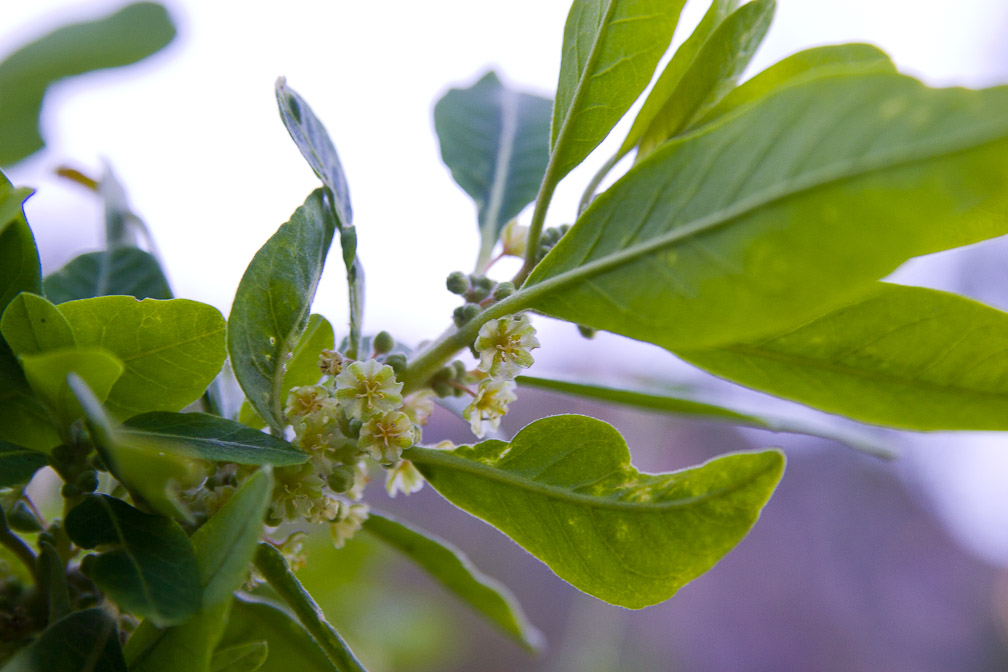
(208, 437)
(610, 51)
(224, 548)
(564, 490)
(20, 270)
(172, 349)
(905, 357)
(18, 464)
(725, 235)
(84, 641)
(127, 36)
(240, 658)
(47, 373)
(455, 572)
(312, 139)
(151, 569)
(31, 325)
(23, 419)
(495, 140)
(811, 63)
(272, 565)
(713, 72)
(290, 646)
(126, 271)
(272, 303)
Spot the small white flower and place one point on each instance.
(504, 344)
(404, 478)
(368, 388)
(489, 406)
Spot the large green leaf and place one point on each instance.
(127, 36)
(815, 62)
(790, 208)
(224, 548)
(150, 569)
(20, 270)
(495, 141)
(272, 304)
(712, 73)
(18, 464)
(905, 357)
(124, 270)
(31, 325)
(564, 489)
(47, 373)
(172, 349)
(84, 641)
(455, 572)
(610, 51)
(290, 645)
(23, 418)
(208, 437)
(247, 657)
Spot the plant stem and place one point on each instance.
(589, 192)
(355, 285)
(546, 190)
(272, 565)
(15, 545)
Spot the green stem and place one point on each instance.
(589, 192)
(546, 190)
(15, 545)
(272, 565)
(355, 285)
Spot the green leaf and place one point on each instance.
(18, 464)
(47, 374)
(52, 584)
(208, 437)
(272, 303)
(20, 270)
(247, 657)
(455, 572)
(316, 147)
(172, 349)
(808, 64)
(31, 325)
(775, 216)
(610, 51)
(290, 645)
(495, 141)
(564, 490)
(904, 357)
(127, 36)
(713, 72)
(272, 565)
(23, 419)
(224, 548)
(84, 641)
(151, 569)
(125, 271)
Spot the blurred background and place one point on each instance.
(856, 564)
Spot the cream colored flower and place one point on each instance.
(489, 406)
(504, 344)
(368, 388)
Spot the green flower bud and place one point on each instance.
(457, 283)
(397, 361)
(87, 481)
(587, 332)
(503, 290)
(383, 342)
(478, 294)
(484, 282)
(22, 519)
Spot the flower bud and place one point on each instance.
(383, 342)
(457, 283)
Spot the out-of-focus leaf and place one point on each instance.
(127, 36)
(564, 490)
(495, 141)
(47, 374)
(126, 271)
(290, 645)
(723, 236)
(50, 571)
(18, 464)
(455, 572)
(272, 304)
(172, 349)
(20, 270)
(23, 419)
(247, 657)
(31, 325)
(905, 357)
(150, 570)
(84, 641)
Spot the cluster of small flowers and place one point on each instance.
(504, 347)
(357, 411)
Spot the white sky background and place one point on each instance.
(195, 137)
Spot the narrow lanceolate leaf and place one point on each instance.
(208, 437)
(454, 571)
(724, 235)
(129, 35)
(84, 641)
(272, 303)
(610, 51)
(564, 489)
(808, 64)
(18, 464)
(316, 147)
(495, 141)
(127, 271)
(150, 570)
(712, 73)
(31, 325)
(905, 357)
(290, 647)
(172, 349)
(224, 548)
